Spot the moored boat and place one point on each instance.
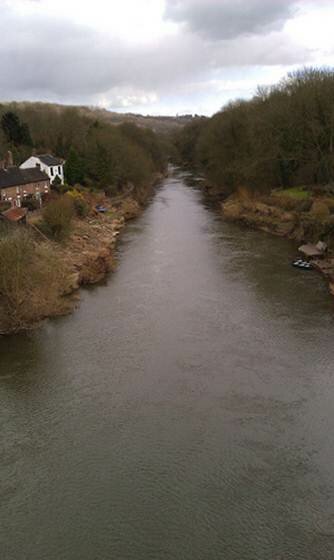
(304, 265)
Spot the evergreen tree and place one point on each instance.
(11, 126)
(74, 168)
(26, 139)
(16, 133)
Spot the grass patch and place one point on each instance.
(297, 193)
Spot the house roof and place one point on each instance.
(15, 214)
(49, 160)
(14, 176)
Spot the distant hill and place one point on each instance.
(159, 124)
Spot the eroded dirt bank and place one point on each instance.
(304, 222)
(86, 257)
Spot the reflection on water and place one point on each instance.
(184, 411)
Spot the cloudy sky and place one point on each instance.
(157, 56)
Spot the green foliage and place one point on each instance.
(74, 168)
(281, 138)
(81, 207)
(56, 181)
(97, 154)
(16, 133)
(186, 141)
(31, 203)
(57, 217)
(4, 205)
(297, 193)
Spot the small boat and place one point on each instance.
(100, 208)
(304, 265)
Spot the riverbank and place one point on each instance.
(184, 411)
(302, 220)
(86, 257)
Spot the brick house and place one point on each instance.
(17, 184)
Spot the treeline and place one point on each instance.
(98, 155)
(282, 137)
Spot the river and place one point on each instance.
(183, 412)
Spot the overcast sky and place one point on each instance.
(157, 56)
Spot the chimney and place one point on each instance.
(9, 160)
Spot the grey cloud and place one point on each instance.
(61, 61)
(61, 57)
(227, 19)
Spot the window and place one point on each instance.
(59, 170)
(51, 170)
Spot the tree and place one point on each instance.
(282, 137)
(57, 217)
(16, 133)
(26, 139)
(74, 168)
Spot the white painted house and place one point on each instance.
(52, 166)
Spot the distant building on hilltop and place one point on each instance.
(52, 166)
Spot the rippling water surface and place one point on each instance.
(185, 411)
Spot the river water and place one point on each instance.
(185, 411)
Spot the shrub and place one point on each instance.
(320, 210)
(57, 218)
(4, 206)
(31, 279)
(306, 205)
(31, 203)
(111, 190)
(330, 204)
(81, 207)
(15, 256)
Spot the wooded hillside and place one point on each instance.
(98, 154)
(282, 137)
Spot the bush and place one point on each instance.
(59, 188)
(320, 210)
(111, 191)
(306, 205)
(4, 206)
(330, 204)
(81, 207)
(31, 279)
(31, 203)
(57, 218)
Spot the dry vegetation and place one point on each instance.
(32, 280)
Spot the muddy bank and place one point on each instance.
(85, 258)
(299, 224)
(89, 252)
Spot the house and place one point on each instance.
(52, 166)
(16, 184)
